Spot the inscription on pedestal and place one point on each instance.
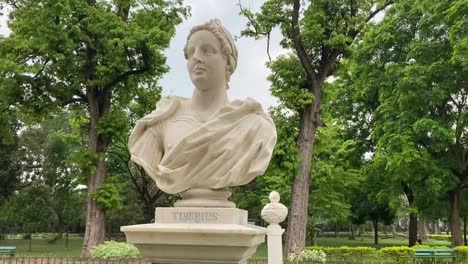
(195, 217)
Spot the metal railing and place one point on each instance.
(65, 260)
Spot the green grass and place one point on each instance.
(41, 247)
(369, 242)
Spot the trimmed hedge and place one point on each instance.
(461, 253)
(402, 255)
(348, 253)
(440, 237)
(113, 250)
(399, 255)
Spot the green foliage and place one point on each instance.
(461, 253)
(402, 94)
(352, 254)
(398, 254)
(307, 256)
(96, 59)
(30, 208)
(112, 124)
(108, 196)
(288, 83)
(112, 250)
(335, 174)
(9, 156)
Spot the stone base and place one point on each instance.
(197, 236)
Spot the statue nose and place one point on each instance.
(197, 56)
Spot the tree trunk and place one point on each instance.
(464, 230)
(60, 228)
(353, 235)
(315, 238)
(66, 239)
(413, 218)
(30, 242)
(422, 228)
(98, 105)
(297, 220)
(413, 229)
(436, 227)
(335, 226)
(455, 229)
(375, 222)
(394, 232)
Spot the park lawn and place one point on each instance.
(369, 242)
(42, 247)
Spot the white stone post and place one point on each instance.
(274, 213)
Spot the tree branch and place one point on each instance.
(125, 76)
(377, 10)
(252, 21)
(63, 102)
(256, 28)
(299, 47)
(354, 33)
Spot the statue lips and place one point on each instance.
(198, 69)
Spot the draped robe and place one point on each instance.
(230, 149)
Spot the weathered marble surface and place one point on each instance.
(205, 141)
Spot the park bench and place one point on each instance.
(8, 251)
(434, 253)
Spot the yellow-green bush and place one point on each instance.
(400, 255)
(112, 250)
(461, 253)
(348, 253)
(427, 246)
(440, 237)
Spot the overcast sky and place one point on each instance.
(249, 79)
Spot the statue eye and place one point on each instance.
(209, 50)
(190, 52)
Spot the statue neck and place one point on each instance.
(207, 102)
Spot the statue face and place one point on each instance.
(206, 63)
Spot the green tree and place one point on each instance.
(414, 64)
(87, 54)
(48, 152)
(145, 189)
(320, 34)
(9, 161)
(30, 209)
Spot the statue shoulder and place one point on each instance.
(165, 108)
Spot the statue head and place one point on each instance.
(212, 44)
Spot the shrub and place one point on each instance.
(112, 250)
(398, 254)
(427, 246)
(348, 253)
(461, 253)
(307, 256)
(440, 237)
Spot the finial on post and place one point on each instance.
(274, 213)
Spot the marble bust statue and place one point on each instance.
(205, 142)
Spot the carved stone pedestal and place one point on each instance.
(197, 236)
